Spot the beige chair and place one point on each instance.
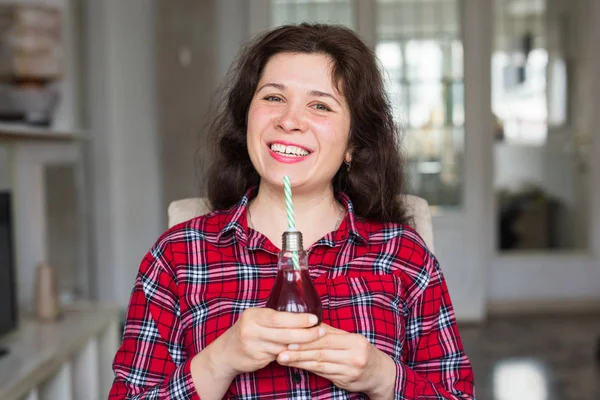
(186, 209)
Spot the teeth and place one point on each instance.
(288, 150)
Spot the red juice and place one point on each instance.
(294, 292)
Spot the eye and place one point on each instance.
(274, 99)
(321, 107)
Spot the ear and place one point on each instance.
(348, 156)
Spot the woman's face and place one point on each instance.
(298, 123)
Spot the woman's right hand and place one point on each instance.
(259, 335)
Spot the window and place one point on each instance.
(519, 63)
(324, 11)
(420, 48)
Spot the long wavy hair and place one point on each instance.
(376, 177)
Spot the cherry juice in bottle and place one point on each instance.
(293, 290)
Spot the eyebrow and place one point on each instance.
(316, 93)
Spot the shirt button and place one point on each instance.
(296, 377)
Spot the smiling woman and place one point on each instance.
(339, 79)
(305, 102)
(299, 126)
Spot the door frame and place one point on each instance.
(559, 280)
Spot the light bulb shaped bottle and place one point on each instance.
(294, 290)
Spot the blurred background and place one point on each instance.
(101, 107)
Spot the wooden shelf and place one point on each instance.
(17, 132)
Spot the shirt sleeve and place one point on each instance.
(151, 362)
(434, 364)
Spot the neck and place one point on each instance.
(315, 213)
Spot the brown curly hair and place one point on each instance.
(376, 177)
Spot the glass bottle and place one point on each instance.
(293, 290)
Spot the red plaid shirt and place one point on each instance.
(375, 279)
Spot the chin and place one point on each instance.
(277, 179)
(301, 176)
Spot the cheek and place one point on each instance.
(334, 134)
(259, 116)
(257, 119)
(252, 119)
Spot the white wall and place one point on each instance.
(121, 93)
(56, 3)
(197, 43)
(5, 172)
(233, 27)
(126, 166)
(187, 74)
(68, 115)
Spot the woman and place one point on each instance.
(308, 102)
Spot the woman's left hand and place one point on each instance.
(346, 359)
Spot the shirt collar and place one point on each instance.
(355, 225)
(237, 220)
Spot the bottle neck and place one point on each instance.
(292, 241)
(292, 256)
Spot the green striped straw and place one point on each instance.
(289, 207)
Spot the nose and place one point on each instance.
(292, 120)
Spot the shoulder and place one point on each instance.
(406, 251)
(399, 236)
(178, 243)
(205, 227)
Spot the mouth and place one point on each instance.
(289, 150)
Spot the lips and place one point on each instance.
(288, 152)
(287, 148)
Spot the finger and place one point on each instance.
(273, 349)
(321, 355)
(331, 329)
(324, 369)
(333, 341)
(281, 319)
(288, 336)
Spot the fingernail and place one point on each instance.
(293, 347)
(284, 358)
(312, 319)
(321, 331)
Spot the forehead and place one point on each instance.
(310, 69)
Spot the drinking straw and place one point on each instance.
(287, 189)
